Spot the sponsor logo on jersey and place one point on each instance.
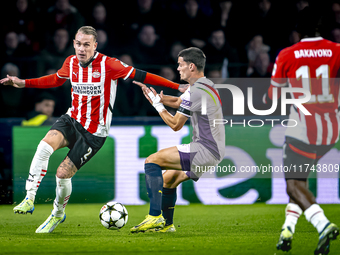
(87, 89)
(309, 53)
(185, 103)
(96, 74)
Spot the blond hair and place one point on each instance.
(88, 30)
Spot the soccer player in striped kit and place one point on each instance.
(85, 126)
(301, 66)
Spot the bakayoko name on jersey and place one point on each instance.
(311, 53)
(86, 89)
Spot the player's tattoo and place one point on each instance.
(53, 133)
(59, 142)
(67, 169)
(183, 87)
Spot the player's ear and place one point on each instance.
(191, 67)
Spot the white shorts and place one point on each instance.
(196, 159)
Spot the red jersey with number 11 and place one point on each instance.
(312, 64)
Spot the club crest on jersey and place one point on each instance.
(96, 74)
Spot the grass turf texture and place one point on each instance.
(230, 229)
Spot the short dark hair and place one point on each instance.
(194, 55)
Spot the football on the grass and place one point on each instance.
(113, 215)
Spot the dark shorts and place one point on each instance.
(300, 157)
(82, 144)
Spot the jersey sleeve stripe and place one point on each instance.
(276, 84)
(129, 73)
(62, 77)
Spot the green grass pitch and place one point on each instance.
(224, 229)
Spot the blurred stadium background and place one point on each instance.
(241, 39)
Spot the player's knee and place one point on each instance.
(167, 183)
(153, 158)
(148, 160)
(47, 141)
(61, 175)
(172, 179)
(168, 180)
(55, 139)
(65, 174)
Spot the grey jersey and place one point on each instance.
(202, 103)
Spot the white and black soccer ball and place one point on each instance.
(113, 215)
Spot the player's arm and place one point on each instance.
(48, 81)
(278, 80)
(171, 101)
(268, 96)
(122, 70)
(52, 80)
(174, 122)
(13, 81)
(152, 79)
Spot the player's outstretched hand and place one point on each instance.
(13, 81)
(141, 85)
(144, 88)
(155, 94)
(146, 91)
(183, 87)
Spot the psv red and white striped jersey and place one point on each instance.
(94, 90)
(312, 64)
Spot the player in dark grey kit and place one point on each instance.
(202, 103)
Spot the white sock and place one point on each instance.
(38, 168)
(293, 212)
(63, 193)
(314, 214)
